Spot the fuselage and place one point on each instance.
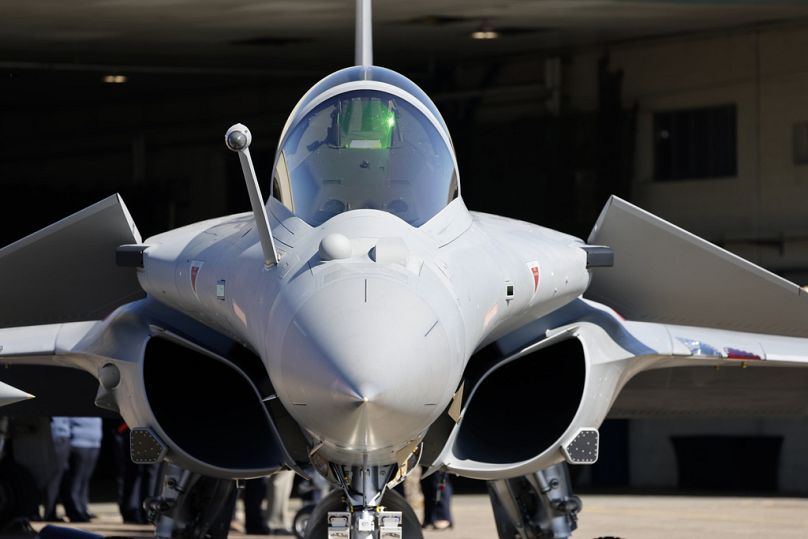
(385, 284)
(366, 342)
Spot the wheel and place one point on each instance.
(207, 510)
(392, 501)
(301, 520)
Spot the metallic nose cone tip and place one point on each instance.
(344, 393)
(366, 374)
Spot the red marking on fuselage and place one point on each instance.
(734, 353)
(194, 273)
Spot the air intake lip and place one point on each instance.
(208, 413)
(521, 408)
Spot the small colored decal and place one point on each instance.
(239, 313)
(698, 348)
(534, 270)
(196, 265)
(489, 316)
(220, 290)
(736, 353)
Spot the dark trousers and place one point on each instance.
(437, 498)
(255, 490)
(76, 483)
(61, 447)
(139, 483)
(134, 482)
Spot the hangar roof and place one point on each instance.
(291, 35)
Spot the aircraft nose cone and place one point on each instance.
(367, 365)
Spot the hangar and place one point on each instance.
(695, 111)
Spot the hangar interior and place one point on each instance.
(695, 111)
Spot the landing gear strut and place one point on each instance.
(535, 506)
(192, 506)
(364, 487)
(364, 508)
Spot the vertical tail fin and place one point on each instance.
(364, 33)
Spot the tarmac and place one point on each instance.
(624, 517)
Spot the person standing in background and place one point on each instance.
(134, 482)
(255, 490)
(277, 488)
(31, 449)
(85, 444)
(437, 501)
(60, 432)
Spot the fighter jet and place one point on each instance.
(362, 321)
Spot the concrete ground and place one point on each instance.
(657, 517)
(626, 517)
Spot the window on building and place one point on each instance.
(695, 143)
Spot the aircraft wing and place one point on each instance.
(675, 370)
(41, 344)
(717, 373)
(670, 369)
(57, 284)
(707, 304)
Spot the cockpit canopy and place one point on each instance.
(366, 148)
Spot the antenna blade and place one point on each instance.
(364, 33)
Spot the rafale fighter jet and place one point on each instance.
(362, 321)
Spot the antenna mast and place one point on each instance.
(364, 33)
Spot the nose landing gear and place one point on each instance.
(365, 508)
(364, 525)
(364, 487)
(337, 502)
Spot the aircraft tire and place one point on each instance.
(300, 521)
(392, 501)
